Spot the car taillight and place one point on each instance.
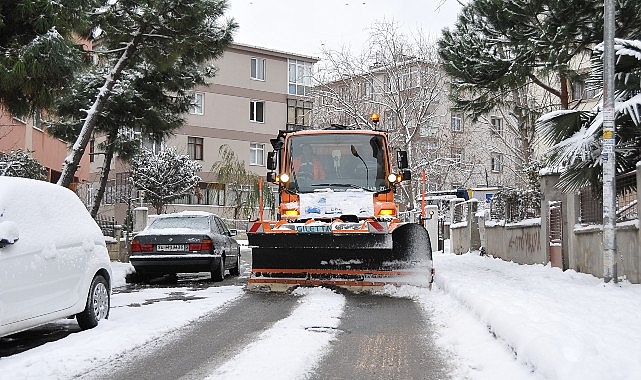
(204, 245)
(137, 247)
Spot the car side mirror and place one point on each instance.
(401, 160)
(271, 161)
(8, 233)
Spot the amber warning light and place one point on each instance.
(375, 118)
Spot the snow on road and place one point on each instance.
(294, 345)
(494, 320)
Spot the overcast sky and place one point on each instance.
(303, 26)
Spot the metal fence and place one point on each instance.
(591, 204)
(237, 224)
(460, 211)
(107, 225)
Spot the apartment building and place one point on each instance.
(31, 136)
(255, 93)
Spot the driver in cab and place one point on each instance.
(307, 167)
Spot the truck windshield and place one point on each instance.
(337, 161)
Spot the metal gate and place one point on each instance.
(555, 234)
(441, 234)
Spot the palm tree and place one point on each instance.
(575, 136)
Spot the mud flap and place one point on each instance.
(411, 243)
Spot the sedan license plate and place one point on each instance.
(171, 247)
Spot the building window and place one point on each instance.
(496, 162)
(580, 91)
(389, 122)
(197, 103)
(195, 148)
(152, 145)
(497, 125)
(257, 154)
(298, 112)
(92, 149)
(368, 90)
(427, 130)
(257, 111)
(431, 144)
(457, 122)
(299, 78)
(258, 68)
(457, 156)
(409, 78)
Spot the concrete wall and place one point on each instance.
(587, 257)
(518, 243)
(581, 246)
(465, 234)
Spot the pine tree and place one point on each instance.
(499, 51)
(39, 57)
(497, 46)
(146, 100)
(158, 33)
(164, 177)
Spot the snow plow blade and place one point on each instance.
(358, 260)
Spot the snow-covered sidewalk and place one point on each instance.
(562, 325)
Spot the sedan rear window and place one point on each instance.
(195, 222)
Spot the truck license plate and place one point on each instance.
(314, 229)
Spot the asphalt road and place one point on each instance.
(383, 338)
(208, 344)
(379, 337)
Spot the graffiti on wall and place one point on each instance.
(528, 242)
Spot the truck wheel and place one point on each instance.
(218, 274)
(97, 306)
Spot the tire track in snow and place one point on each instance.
(293, 346)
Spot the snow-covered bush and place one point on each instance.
(165, 176)
(19, 163)
(513, 205)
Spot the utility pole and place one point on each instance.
(608, 154)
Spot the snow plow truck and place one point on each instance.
(337, 220)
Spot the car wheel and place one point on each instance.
(235, 271)
(97, 306)
(218, 274)
(136, 277)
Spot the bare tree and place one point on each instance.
(398, 77)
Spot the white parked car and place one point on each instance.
(53, 258)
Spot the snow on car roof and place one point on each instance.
(184, 213)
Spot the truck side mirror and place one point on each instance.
(271, 161)
(406, 175)
(278, 142)
(401, 159)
